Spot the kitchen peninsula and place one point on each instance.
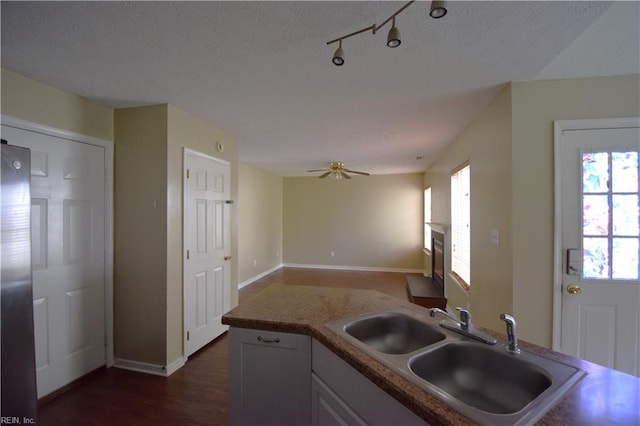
(603, 396)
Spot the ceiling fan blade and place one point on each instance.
(344, 175)
(324, 175)
(357, 172)
(318, 170)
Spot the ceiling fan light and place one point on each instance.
(338, 56)
(393, 38)
(337, 171)
(438, 9)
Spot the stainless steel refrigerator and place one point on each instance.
(18, 392)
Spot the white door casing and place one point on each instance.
(207, 266)
(71, 251)
(601, 323)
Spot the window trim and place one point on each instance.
(461, 166)
(460, 281)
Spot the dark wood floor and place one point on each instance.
(197, 394)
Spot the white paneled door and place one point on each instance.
(68, 255)
(600, 225)
(207, 248)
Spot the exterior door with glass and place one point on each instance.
(597, 180)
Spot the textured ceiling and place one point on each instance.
(262, 70)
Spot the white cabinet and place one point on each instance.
(270, 378)
(285, 379)
(341, 395)
(328, 409)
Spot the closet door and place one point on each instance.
(68, 255)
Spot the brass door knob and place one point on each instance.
(227, 257)
(574, 289)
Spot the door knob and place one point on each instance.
(574, 289)
(227, 257)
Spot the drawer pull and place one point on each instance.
(268, 340)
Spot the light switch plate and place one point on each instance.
(495, 237)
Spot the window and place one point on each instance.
(427, 218)
(610, 215)
(461, 225)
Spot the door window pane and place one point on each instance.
(625, 258)
(624, 171)
(596, 257)
(595, 217)
(625, 215)
(595, 172)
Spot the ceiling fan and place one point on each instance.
(337, 171)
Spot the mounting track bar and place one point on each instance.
(372, 27)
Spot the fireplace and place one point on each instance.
(429, 291)
(437, 259)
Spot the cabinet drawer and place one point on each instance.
(266, 338)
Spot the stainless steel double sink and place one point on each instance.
(483, 382)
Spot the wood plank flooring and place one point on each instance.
(197, 394)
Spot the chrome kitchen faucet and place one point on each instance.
(463, 325)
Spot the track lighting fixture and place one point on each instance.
(393, 38)
(338, 56)
(437, 11)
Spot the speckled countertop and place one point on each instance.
(603, 397)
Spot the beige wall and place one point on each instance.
(187, 131)
(148, 150)
(140, 274)
(535, 105)
(373, 221)
(486, 143)
(259, 222)
(513, 193)
(33, 101)
(150, 144)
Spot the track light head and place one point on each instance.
(393, 38)
(338, 56)
(438, 9)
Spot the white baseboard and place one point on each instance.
(175, 365)
(148, 368)
(257, 277)
(352, 268)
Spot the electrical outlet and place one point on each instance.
(255, 262)
(332, 254)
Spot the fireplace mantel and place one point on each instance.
(438, 227)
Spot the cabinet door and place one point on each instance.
(370, 404)
(270, 381)
(327, 409)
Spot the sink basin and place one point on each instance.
(483, 382)
(491, 381)
(393, 333)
